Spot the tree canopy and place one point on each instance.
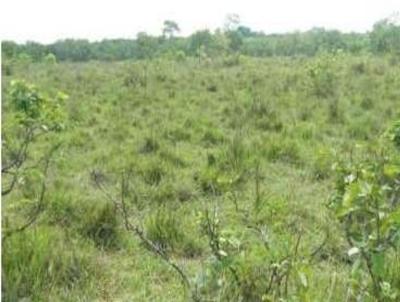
(235, 37)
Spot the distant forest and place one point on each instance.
(234, 38)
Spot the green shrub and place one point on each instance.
(180, 56)
(393, 134)
(322, 76)
(365, 204)
(50, 59)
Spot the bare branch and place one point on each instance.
(14, 166)
(135, 229)
(40, 201)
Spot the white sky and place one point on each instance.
(48, 20)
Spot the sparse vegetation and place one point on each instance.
(200, 172)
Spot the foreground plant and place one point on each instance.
(31, 115)
(366, 203)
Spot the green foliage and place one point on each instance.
(366, 203)
(393, 134)
(250, 270)
(35, 266)
(323, 76)
(34, 109)
(170, 28)
(385, 37)
(234, 38)
(50, 59)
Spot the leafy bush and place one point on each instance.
(324, 80)
(393, 134)
(250, 270)
(366, 204)
(50, 59)
(33, 107)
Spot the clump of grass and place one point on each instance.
(225, 168)
(208, 181)
(215, 182)
(263, 114)
(162, 193)
(171, 156)
(231, 60)
(178, 134)
(39, 259)
(63, 210)
(334, 110)
(212, 136)
(359, 68)
(185, 192)
(153, 172)
(100, 224)
(362, 127)
(322, 163)
(234, 155)
(212, 88)
(285, 150)
(167, 230)
(150, 145)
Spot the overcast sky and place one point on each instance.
(49, 20)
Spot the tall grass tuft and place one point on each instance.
(37, 260)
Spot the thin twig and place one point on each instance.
(40, 202)
(121, 205)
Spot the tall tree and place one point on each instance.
(170, 28)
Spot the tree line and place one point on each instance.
(233, 38)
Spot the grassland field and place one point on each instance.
(247, 145)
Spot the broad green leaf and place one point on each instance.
(378, 263)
